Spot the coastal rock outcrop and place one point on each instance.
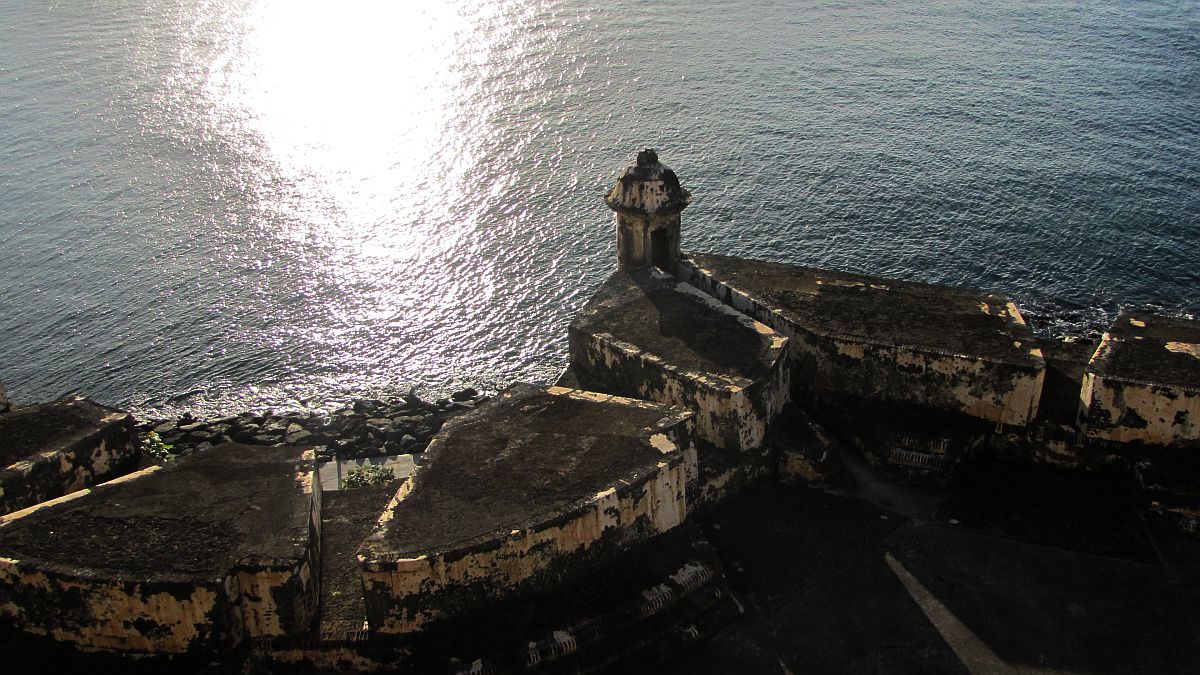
(366, 428)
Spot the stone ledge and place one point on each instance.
(1143, 383)
(960, 350)
(524, 493)
(196, 556)
(51, 449)
(648, 336)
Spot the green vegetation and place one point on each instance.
(368, 475)
(153, 446)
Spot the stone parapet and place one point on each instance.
(196, 557)
(647, 336)
(1143, 383)
(51, 449)
(526, 493)
(857, 336)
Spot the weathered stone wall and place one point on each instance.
(988, 390)
(109, 450)
(622, 466)
(167, 616)
(74, 605)
(264, 592)
(870, 369)
(1142, 384)
(1125, 411)
(280, 596)
(731, 413)
(409, 594)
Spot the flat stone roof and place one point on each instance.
(923, 316)
(197, 518)
(679, 324)
(525, 456)
(1151, 349)
(32, 429)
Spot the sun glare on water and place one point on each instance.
(358, 104)
(366, 122)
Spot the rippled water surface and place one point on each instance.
(219, 205)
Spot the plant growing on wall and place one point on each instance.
(153, 446)
(368, 475)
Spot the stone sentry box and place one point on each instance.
(872, 339)
(52, 449)
(193, 558)
(647, 200)
(1143, 382)
(531, 491)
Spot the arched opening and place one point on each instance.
(660, 254)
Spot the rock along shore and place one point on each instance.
(367, 428)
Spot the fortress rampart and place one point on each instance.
(572, 510)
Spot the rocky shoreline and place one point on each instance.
(367, 428)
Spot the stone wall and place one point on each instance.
(408, 594)
(1143, 382)
(88, 611)
(730, 413)
(413, 582)
(262, 582)
(279, 596)
(733, 406)
(1128, 411)
(105, 447)
(169, 614)
(846, 365)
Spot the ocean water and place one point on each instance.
(223, 205)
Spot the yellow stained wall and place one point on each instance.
(522, 554)
(1106, 402)
(169, 616)
(61, 471)
(726, 413)
(987, 389)
(111, 608)
(258, 588)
